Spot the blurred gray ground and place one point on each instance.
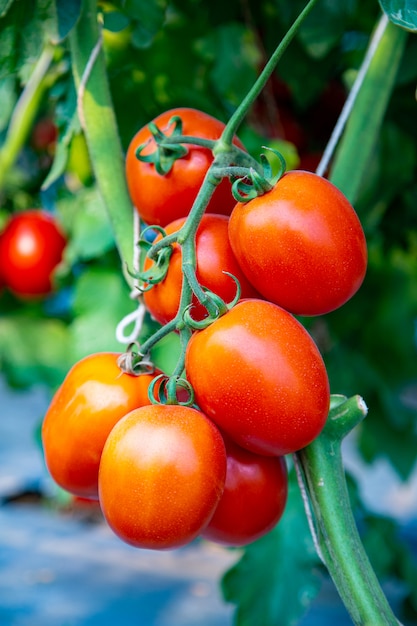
(58, 569)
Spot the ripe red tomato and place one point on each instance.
(301, 245)
(163, 199)
(162, 473)
(93, 397)
(214, 257)
(31, 246)
(253, 500)
(257, 373)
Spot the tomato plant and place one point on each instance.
(302, 244)
(163, 199)
(214, 257)
(162, 473)
(257, 373)
(93, 397)
(31, 247)
(253, 499)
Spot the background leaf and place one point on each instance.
(401, 12)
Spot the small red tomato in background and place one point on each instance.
(163, 199)
(301, 244)
(258, 374)
(253, 500)
(44, 135)
(93, 397)
(162, 474)
(214, 257)
(31, 247)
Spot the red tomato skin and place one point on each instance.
(258, 374)
(162, 473)
(301, 244)
(253, 500)
(94, 395)
(214, 257)
(31, 246)
(161, 199)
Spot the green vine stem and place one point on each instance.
(26, 110)
(241, 112)
(98, 121)
(322, 480)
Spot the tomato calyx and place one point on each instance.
(255, 183)
(215, 306)
(135, 363)
(171, 390)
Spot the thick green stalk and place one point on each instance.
(357, 145)
(25, 113)
(337, 536)
(99, 124)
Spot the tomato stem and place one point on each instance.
(335, 531)
(242, 110)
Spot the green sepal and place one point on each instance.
(166, 153)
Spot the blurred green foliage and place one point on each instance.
(161, 54)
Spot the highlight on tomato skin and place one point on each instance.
(214, 257)
(93, 397)
(257, 373)
(301, 244)
(253, 500)
(162, 473)
(161, 199)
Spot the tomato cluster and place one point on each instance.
(165, 472)
(31, 247)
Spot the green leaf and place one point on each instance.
(233, 53)
(322, 29)
(148, 16)
(68, 12)
(33, 350)
(401, 12)
(5, 6)
(101, 300)
(278, 576)
(85, 219)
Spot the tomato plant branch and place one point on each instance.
(26, 110)
(242, 110)
(99, 124)
(335, 528)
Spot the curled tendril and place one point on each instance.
(135, 363)
(166, 153)
(255, 184)
(165, 389)
(221, 307)
(160, 264)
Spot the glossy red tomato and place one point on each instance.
(163, 199)
(93, 397)
(257, 373)
(31, 247)
(162, 473)
(253, 500)
(214, 257)
(301, 245)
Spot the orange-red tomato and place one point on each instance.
(162, 473)
(253, 499)
(258, 374)
(31, 246)
(301, 244)
(93, 397)
(163, 199)
(214, 257)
